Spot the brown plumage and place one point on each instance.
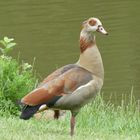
(84, 44)
(64, 83)
(74, 85)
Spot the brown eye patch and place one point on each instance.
(92, 22)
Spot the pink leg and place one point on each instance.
(72, 124)
(56, 114)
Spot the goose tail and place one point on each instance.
(28, 111)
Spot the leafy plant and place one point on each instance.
(8, 45)
(16, 78)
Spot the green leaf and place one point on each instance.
(2, 50)
(26, 66)
(8, 40)
(10, 45)
(6, 50)
(3, 43)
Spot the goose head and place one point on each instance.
(92, 25)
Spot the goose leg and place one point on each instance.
(56, 114)
(72, 124)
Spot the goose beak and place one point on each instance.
(102, 30)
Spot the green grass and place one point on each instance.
(96, 121)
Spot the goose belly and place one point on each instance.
(79, 97)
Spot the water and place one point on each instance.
(49, 30)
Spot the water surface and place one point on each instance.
(49, 30)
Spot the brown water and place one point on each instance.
(49, 30)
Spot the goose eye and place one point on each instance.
(101, 28)
(92, 22)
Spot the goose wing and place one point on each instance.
(64, 81)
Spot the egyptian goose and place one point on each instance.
(71, 86)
